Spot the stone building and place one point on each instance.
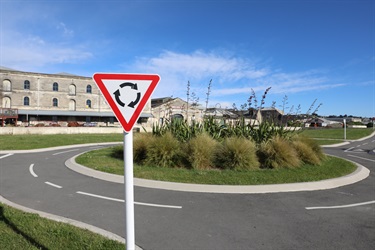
(28, 98)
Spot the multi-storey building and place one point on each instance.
(28, 98)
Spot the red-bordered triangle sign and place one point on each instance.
(126, 94)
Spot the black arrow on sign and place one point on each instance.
(130, 84)
(117, 96)
(133, 103)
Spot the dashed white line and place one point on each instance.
(362, 158)
(53, 185)
(342, 206)
(31, 169)
(63, 152)
(120, 200)
(3, 156)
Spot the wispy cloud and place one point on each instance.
(232, 75)
(31, 52)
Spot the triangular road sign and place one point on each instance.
(126, 94)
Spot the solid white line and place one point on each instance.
(31, 169)
(63, 152)
(365, 143)
(362, 158)
(101, 197)
(53, 185)
(1, 157)
(349, 149)
(343, 206)
(120, 200)
(156, 205)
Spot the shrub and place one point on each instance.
(237, 153)
(118, 152)
(307, 151)
(315, 147)
(278, 153)
(200, 151)
(164, 151)
(140, 142)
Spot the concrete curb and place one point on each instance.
(358, 175)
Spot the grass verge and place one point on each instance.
(21, 230)
(331, 167)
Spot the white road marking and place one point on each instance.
(63, 152)
(349, 149)
(362, 158)
(120, 200)
(342, 206)
(1, 157)
(31, 169)
(365, 143)
(53, 185)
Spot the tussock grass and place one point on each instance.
(201, 151)
(308, 150)
(237, 153)
(165, 151)
(278, 153)
(140, 145)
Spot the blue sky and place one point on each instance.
(302, 49)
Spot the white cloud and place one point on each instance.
(30, 52)
(66, 32)
(231, 75)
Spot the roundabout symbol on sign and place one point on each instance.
(132, 86)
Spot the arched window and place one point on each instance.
(26, 84)
(177, 117)
(72, 105)
(55, 86)
(26, 101)
(7, 102)
(88, 104)
(88, 89)
(7, 85)
(72, 89)
(55, 102)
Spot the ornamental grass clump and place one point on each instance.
(278, 153)
(164, 151)
(237, 153)
(140, 143)
(200, 151)
(305, 150)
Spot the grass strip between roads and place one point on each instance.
(20, 230)
(331, 167)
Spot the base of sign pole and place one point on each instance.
(129, 190)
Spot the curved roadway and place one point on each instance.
(339, 216)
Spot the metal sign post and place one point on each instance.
(344, 129)
(129, 190)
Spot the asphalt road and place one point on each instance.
(338, 218)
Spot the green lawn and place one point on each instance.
(20, 230)
(338, 133)
(19, 142)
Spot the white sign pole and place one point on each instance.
(129, 190)
(345, 129)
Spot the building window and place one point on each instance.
(26, 101)
(7, 85)
(88, 104)
(88, 89)
(26, 84)
(55, 86)
(55, 102)
(72, 89)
